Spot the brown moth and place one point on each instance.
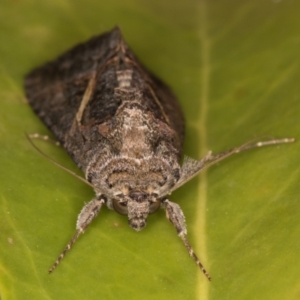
(123, 128)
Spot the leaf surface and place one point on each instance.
(235, 68)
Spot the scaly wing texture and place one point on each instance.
(57, 89)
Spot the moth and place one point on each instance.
(123, 128)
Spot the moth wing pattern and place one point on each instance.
(55, 92)
(169, 103)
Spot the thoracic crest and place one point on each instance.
(122, 126)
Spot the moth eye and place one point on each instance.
(120, 207)
(154, 206)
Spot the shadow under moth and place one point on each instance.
(123, 128)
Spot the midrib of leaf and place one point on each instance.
(202, 291)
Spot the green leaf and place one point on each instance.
(235, 68)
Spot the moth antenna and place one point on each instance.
(175, 215)
(68, 247)
(194, 167)
(44, 138)
(55, 162)
(215, 158)
(248, 146)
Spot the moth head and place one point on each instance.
(137, 205)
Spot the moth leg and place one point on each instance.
(86, 216)
(44, 138)
(176, 217)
